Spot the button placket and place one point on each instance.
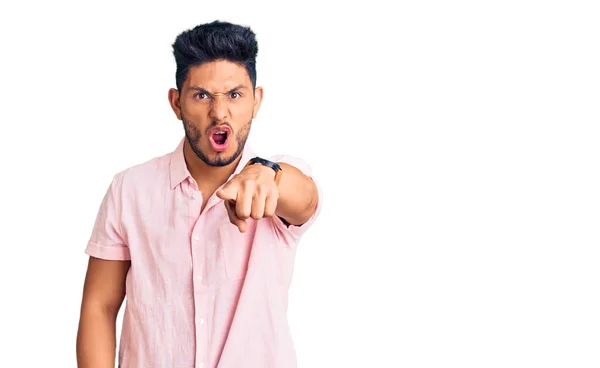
(198, 243)
(194, 198)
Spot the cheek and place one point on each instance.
(242, 112)
(194, 113)
(195, 117)
(195, 108)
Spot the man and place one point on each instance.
(201, 240)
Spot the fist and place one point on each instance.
(252, 193)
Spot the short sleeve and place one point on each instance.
(294, 231)
(106, 240)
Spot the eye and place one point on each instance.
(235, 95)
(201, 95)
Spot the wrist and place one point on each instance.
(273, 168)
(269, 172)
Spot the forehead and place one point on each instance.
(217, 76)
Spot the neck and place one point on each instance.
(206, 175)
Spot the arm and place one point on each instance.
(103, 294)
(297, 196)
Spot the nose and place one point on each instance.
(219, 109)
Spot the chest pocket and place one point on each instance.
(236, 248)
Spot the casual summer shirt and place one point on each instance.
(199, 293)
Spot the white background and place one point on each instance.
(456, 144)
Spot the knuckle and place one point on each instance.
(243, 213)
(248, 184)
(261, 189)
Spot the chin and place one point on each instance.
(218, 158)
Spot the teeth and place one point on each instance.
(220, 133)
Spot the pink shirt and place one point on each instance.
(199, 293)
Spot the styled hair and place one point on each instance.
(213, 41)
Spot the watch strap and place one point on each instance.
(273, 165)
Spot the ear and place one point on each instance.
(175, 102)
(258, 96)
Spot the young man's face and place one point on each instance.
(217, 104)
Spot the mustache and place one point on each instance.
(214, 124)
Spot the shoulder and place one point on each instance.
(144, 175)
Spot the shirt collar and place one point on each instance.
(179, 171)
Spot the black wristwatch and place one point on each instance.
(273, 165)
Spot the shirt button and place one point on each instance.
(194, 195)
(201, 365)
(196, 237)
(201, 321)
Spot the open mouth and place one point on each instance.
(219, 139)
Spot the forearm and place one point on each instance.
(96, 340)
(297, 196)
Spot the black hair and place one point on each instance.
(217, 40)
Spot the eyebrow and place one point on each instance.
(200, 89)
